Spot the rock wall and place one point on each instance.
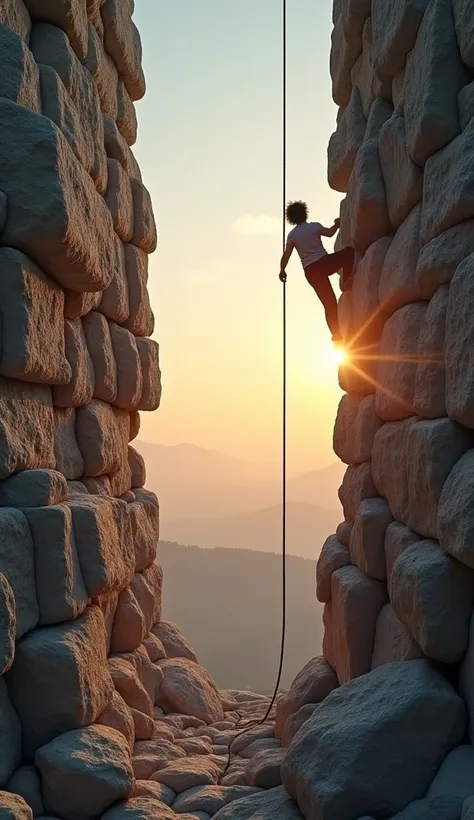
(397, 579)
(78, 533)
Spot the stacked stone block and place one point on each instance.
(80, 592)
(397, 578)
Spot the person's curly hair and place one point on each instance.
(297, 212)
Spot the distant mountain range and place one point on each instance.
(193, 482)
(307, 528)
(228, 604)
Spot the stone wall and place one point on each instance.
(403, 153)
(397, 579)
(78, 533)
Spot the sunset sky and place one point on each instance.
(210, 150)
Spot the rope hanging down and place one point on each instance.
(252, 724)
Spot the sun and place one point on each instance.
(337, 355)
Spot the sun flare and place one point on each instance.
(337, 355)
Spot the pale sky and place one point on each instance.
(210, 151)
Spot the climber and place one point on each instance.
(318, 265)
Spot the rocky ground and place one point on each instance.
(390, 744)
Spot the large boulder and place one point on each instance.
(173, 640)
(395, 26)
(261, 806)
(312, 684)
(368, 535)
(104, 542)
(396, 370)
(393, 641)
(186, 773)
(433, 595)
(440, 257)
(448, 186)
(333, 556)
(345, 142)
(55, 215)
(189, 689)
(79, 690)
(264, 769)
(435, 446)
(33, 346)
(367, 198)
(434, 76)
(26, 427)
(60, 587)
(357, 484)
(356, 603)
(295, 722)
(84, 772)
(385, 734)
(368, 314)
(398, 286)
(403, 178)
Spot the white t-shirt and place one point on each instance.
(306, 238)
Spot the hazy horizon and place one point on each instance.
(210, 151)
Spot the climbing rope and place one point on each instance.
(251, 724)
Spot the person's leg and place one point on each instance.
(323, 288)
(334, 262)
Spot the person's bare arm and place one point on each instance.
(284, 261)
(331, 231)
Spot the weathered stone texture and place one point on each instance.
(379, 760)
(368, 535)
(395, 26)
(440, 257)
(367, 198)
(398, 285)
(433, 449)
(393, 641)
(455, 512)
(356, 604)
(345, 142)
(358, 483)
(368, 312)
(396, 370)
(435, 74)
(403, 178)
(51, 47)
(15, 15)
(19, 80)
(448, 186)
(433, 594)
(26, 427)
(333, 556)
(49, 705)
(429, 400)
(69, 15)
(55, 215)
(99, 344)
(458, 345)
(80, 388)
(60, 587)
